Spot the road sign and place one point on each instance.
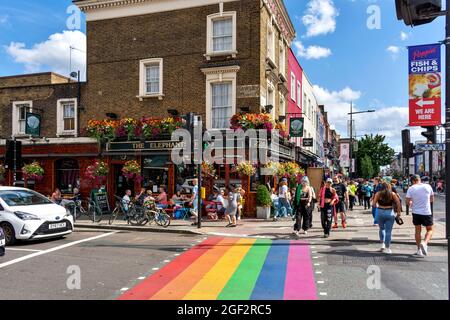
(430, 147)
(308, 142)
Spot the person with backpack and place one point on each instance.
(327, 198)
(340, 207)
(367, 194)
(360, 193)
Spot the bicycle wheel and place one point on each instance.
(163, 219)
(98, 216)
(113, 216)
(79, 211)
(151, 216)
(137, 217)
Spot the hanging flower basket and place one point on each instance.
(290, 170)
(252, 121)
(97, 172)
(132, 171)
(33, 171)
(245, 168)
(102, 130)
(2, 172)
(208, 169)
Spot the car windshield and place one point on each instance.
(15, 198)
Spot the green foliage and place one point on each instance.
(379, 153)
(263, 198)
(366, 168)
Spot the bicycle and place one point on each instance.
(133, 214)
(94, 212)
(156, 214)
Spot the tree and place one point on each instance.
(379, 152)
(366, 168)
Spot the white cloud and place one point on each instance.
(52, 54)
(311, 52)
(404, 36)
(393, 49)
(320, 17)
(387, 121)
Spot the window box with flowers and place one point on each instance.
(132, 171)
(97, 172)
(245, 169)
(33, 171)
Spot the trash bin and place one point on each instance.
(2, 242)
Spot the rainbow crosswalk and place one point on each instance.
(233, 269)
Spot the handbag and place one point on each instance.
(399, 220)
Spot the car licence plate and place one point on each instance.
(57, 225)
(2, 243)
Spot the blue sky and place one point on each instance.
(356, 63)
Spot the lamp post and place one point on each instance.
(351, 134)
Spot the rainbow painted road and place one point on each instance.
(233, 269)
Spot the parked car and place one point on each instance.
(28, 215)
(2, 243)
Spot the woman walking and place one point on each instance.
(283, 200)
(304, 209)
(232, 208)
(327, 197)
(387, 201)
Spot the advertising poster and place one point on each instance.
(425, 85)
(344, 157)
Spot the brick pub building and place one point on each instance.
(215, 58)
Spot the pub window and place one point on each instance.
(151, 78)
(221, 105)
(67, 175)
(67, 117)
(20, 109)
(221, 34)
(156, 172)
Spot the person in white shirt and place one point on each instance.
(126, 200)
(283, 200)
(419, 198)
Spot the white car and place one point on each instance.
(28, 215)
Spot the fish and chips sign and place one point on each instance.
(425, 85)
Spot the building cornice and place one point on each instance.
(87, 5)
(218, 70)
(281, 18)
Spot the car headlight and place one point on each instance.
(26, 216)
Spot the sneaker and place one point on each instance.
(344, 225)
(418, 253)
(295, 233)
(326, 235)
(305, 233)
(383, 247)
(424, 248)
(388, 251)
(335, 226)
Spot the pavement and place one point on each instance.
(256, 260)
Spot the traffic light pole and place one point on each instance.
(15, 163)
(447, 136)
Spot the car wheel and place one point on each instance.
(10, 234)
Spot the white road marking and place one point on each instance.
(155, 269)
(141, 278)
(166, 261)
(317, 257)
(317, 264)
(318, 272)
(176, 254)
(67, 245)
(323, 294)
(320, 282)
(28, 250)
(124, 289)
(314, 252)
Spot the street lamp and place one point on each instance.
(351, 134)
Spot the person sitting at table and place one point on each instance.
(161, 199)
(140, 198)
(76, 195)
(57, 197)
(177, 197)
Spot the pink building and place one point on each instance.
(295, 76)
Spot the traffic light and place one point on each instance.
(13, 150)
(430, 134)
(417, 12)
(407, 146)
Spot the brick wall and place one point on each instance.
(116, 46)
(44, 99)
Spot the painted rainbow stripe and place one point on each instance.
(233, 269)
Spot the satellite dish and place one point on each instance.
(74, 74)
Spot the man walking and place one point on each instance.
(342, 193)
(419, 197)
(376, 189)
